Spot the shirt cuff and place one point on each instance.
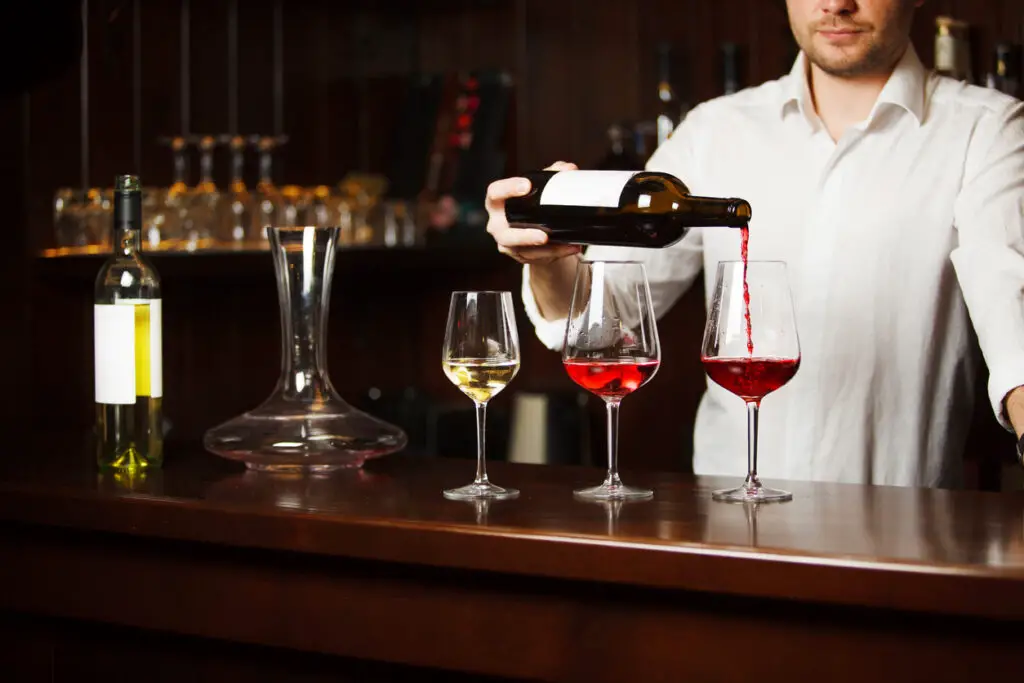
(550, 332)
(1002, 380)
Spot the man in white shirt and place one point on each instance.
(896, 198)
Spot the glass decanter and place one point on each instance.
(304, 425)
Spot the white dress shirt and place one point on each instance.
(897, 238)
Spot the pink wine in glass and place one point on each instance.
(751, 378)
(744, 249)
(613, 378)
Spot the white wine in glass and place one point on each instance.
(480, 357)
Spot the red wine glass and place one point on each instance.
(751, 349)
(611, 349)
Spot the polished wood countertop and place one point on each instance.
(916, 550)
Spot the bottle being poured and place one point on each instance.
(618, 208)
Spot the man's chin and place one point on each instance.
(839, 65)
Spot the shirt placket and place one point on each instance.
(817, 266)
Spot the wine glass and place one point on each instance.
(751, 349)
(480, 357)
(611, 349)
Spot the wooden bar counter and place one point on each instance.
(206, 571)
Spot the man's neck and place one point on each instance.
(842, 101)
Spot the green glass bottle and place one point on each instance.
(127, 338)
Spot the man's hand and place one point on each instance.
(522, 244)
(1014, 406)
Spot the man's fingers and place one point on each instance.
(518, 237)
(562, 166)
(544, 254)
(500, 190)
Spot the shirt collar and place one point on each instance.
(905, 87)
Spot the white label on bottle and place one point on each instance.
(114, 353)
(128, 365)
(585, 188)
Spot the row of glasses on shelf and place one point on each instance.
(611, 349)
(204, 217)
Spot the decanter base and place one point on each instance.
(301, 469)
(303, 438)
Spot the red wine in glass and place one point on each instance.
(751, 378)
(613, 378)
(744, 255)
(729, 342)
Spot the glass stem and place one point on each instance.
(752, 480)
(613, 444)
(481, 428)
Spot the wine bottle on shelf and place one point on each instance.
(620, 155)
(730, 68)
(670, 109)
(621, 208)
(952, 49)
(127, 344)
(1006, 65)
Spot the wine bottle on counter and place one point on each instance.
(1006, 65)
(127, 344)
(620, 208)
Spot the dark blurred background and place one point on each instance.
(424, 103)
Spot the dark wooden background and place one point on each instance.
(577, 65)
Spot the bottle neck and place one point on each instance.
(715, 212)
(129, 242)
(127, 232)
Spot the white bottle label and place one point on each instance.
(128, 350)
(585, 188)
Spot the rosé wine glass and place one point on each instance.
(611, 349)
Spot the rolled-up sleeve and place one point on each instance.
(989, 257)
(551, 333)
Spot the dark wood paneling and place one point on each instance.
(160, 64)
(256, 67)
(54, 154)
(14, 267)
(26, 651)
(111, 72)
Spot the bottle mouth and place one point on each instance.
(741, 209)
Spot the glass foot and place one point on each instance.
(616, 491)
(484, 491)
(752, 493)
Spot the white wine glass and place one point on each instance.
(480, 357)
